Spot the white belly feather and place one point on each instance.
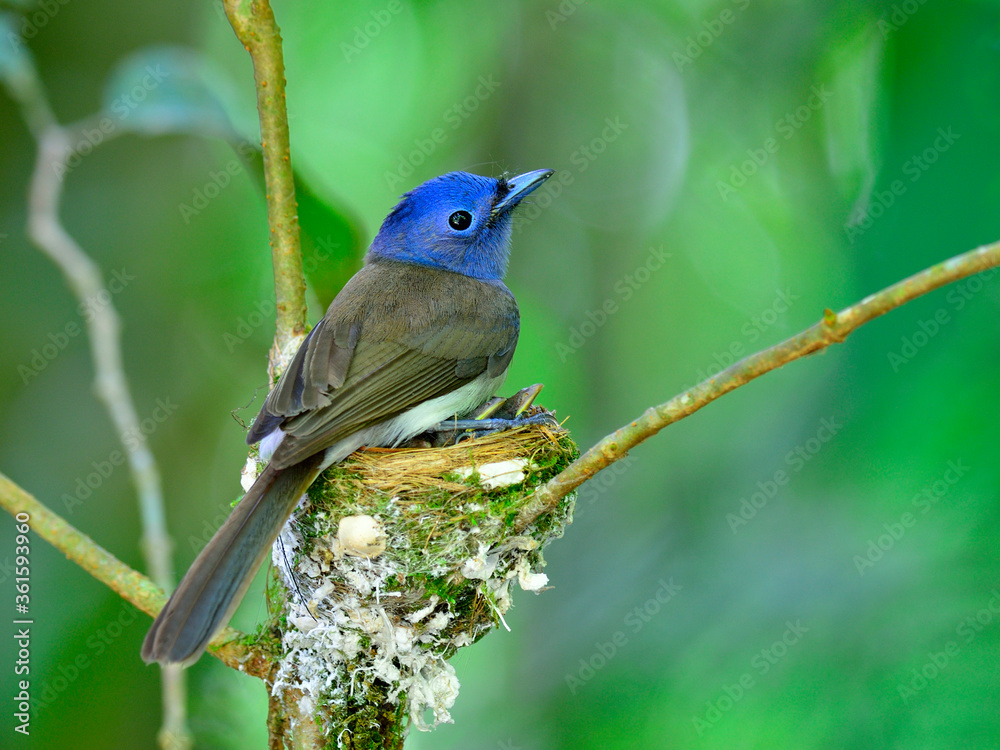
(394, 431)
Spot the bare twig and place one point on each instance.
(85, 278)
(55, 144)
(119, 577)
(832, 329)
(254, 24)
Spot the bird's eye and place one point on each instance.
(460, 220)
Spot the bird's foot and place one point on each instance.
(495, 415)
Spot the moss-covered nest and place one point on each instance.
(401, 558)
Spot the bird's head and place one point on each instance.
(460, 222)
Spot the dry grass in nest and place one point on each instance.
(416, 470)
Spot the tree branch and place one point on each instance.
(254, 24)
(119, 577)
(55, 147)
(832, 329)
(85, 279)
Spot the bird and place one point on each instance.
(426, 329)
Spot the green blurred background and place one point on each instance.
(729, 169)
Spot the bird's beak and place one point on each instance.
(519, 187)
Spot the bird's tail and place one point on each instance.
(213, 587)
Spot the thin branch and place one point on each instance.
(55, 147)
(20, 76)
(119, 577)
(82, 550)
(833, 329)
(254, 24)
(85, 278)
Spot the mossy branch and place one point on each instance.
(119, 577)
(254, 24)
(832, 329)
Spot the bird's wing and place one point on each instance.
(319, 367)
(396, 336)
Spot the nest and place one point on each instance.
(411, 471)
(439, 578)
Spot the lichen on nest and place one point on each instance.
(363, 626)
